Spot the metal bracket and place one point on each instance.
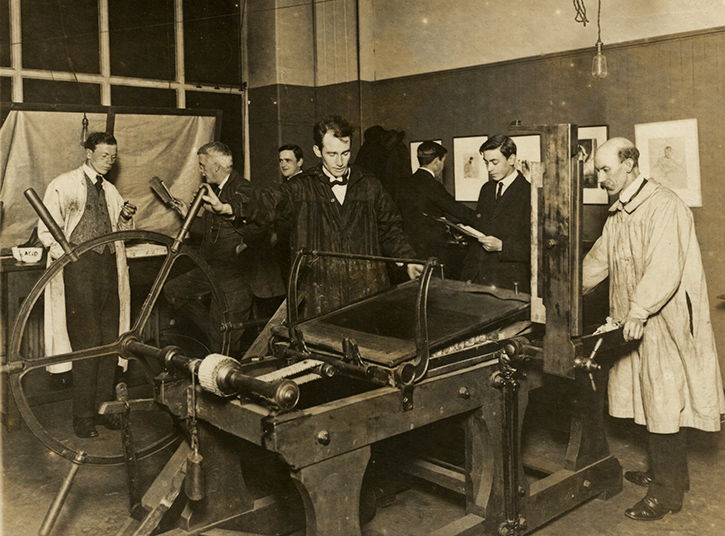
(351, 352)
(406, 397)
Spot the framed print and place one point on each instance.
(414, 154)
(589, 139)
(528, 149)
(669, 153)
(469, 168)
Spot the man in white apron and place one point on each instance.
(89, 302)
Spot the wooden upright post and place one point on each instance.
(561, 246)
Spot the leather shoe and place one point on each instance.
(649, 509)
(110, 421)
(85, 427)
(641, 478)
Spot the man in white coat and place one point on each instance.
(657, 293)
(89, 302)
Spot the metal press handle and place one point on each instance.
(189, 220)
(49, 222)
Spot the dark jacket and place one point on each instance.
(509, 219)
(422, 198)
(367, 223)
(222, 236)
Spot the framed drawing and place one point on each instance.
(528, 149)
(414, 154)
(669, 153)
(589, 139)
(469, 168)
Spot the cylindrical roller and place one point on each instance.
(220, 374)
(365, 372)
(171, 356)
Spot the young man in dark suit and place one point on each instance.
(503, 213)
(421, 198)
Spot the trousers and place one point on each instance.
(187, 294)
(668, 464)
(92, 315)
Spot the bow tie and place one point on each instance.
(342, 181)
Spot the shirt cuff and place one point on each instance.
(635, 311)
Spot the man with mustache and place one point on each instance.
(657, 293)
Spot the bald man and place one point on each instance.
(657, 293)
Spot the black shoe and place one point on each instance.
(85, 427)
(110, 421)
(649, 509)
(641, 478)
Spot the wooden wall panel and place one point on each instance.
(678, 77)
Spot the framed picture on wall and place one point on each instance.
(589, 139)
(414, 153)
(669, 153)
(528, 149)
(469, 168)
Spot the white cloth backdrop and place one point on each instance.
(37, 146)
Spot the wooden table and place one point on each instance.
(26, 275)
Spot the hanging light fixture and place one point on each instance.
(599, 63)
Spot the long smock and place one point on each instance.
(650, 253)
(366, 223)
(65, 199)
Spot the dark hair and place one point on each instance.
(629, 152)
(501, 142)
(339, 127)
(218, 150)
(95, 139)
(429, 151)
(299, 155)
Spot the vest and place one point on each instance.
(95, 220)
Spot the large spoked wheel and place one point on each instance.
(19, 365)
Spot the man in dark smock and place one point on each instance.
(337, 208)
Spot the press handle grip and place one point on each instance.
(193, 211)
(45, 215)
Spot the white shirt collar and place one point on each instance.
(222, 183)
(428, 170)
(625, 196)
(340, 190)
(507, 180)
(88, 170)
(331, 176)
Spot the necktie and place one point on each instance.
(99, 183)
(499, 190)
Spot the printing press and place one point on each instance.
(310, 428)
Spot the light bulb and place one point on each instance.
(599, 63)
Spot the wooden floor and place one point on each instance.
(98, 501)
